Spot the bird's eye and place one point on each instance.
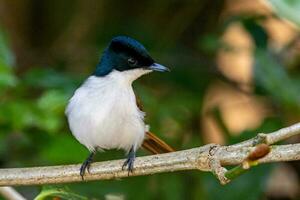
(132, 61)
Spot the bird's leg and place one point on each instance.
(86, 165)
(130, 160)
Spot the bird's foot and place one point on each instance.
(129, 161)
(86, 165)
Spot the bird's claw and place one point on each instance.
(129, 162)
(86, 165)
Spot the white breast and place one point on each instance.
(103, 114)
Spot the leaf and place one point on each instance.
(63, 193)
(287, 9)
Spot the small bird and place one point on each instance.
(103, 112)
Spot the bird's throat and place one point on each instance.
(128, 76)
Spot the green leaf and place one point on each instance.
(287, 9)
(63, 193)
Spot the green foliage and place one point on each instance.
(33, 128)
(61, 150)
(249, 186)
(273, 78)
(63, 193)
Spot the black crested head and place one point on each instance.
(123, 53)
(132, 48)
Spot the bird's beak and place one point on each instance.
(158, 67)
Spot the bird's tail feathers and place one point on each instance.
(155, 145)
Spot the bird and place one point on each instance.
(104, 113)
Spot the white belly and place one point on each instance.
(103, 114)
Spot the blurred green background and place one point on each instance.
(235, 72)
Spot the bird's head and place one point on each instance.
(127, 55)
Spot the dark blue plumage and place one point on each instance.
(123, 53)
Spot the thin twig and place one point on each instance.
(273, 137)
(206, 158)
(10, 193)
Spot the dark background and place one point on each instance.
(235, 72)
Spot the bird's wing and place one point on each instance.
(152, 143)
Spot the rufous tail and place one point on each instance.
(155, 145)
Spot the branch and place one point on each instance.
(10, 193)
(210, 157)
(273, 137)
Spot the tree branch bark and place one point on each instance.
(210, 157)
